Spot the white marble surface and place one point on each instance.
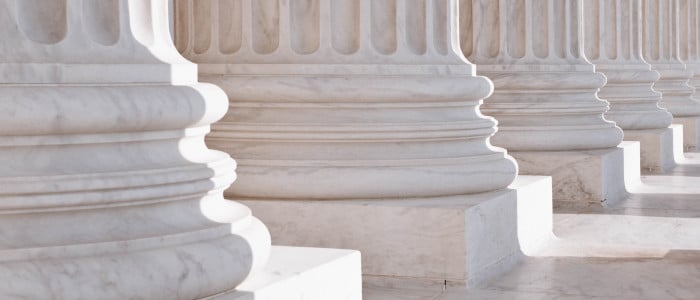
(462, 239)
(107, 188)
(691, 131)
(296, 273)
(585, 178)
(545, 91)
(642, 248)
(659, 148)
(334, 100)
(661, 49)
(612, 39)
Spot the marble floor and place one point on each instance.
(645, 247)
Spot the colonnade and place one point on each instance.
(341, 103)
(108, 189)
(361, 124)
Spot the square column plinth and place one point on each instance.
(298, 273)
(660, 149)
(585, 178)
(691, 129)
(461, 240)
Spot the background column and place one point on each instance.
(344, 99)
(107, 190)
(661, 49)
(613, 38)
(545, 97)
(356, 124)
(689, 53)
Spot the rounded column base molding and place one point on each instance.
(542, 111)
(633, 101)
(359, 136)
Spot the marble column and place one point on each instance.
(613, 42)
(661, 41)
(355, 117)
(344, 99)
(545, 100)
(689, 53)
(107, 188)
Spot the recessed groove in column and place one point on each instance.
(626, 39)
(266, 25)
(673, 29)
(466, 29)
(345, 26)
(664, 28)
(695, 23)
(683, 29)
(592, 31)
(611, 31)
(559, 26)
(415, 26)
(383, 27)
(515, 31)
(489, 29)
(304, 16)
(573, 23)
(230, 26)
(101, 20)
(540, 28)
(202, 26)
(43, 21)
(183, 13)
(440, 31)
(691, 30)
(651, 12)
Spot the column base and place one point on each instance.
(297, 273)
(463, 240)
(660, 149)
(584, 178)
(691, 129)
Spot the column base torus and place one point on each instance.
(583, 178)
(296, 273)
(691, 129)
(463, 240)
(660, 148)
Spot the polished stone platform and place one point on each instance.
(691, 130)
(660, 148)
(585, 178)
(644, 247)
(297, 273)
(464, 240)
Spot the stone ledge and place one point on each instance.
(691, 130)
(585, 178)
(463, 240)
(297, 273)
(660, 149)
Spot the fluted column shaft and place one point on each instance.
(545, 89)
(661, 49)
(689, 49)
(107, 188)
(344, 99)
(613, 42)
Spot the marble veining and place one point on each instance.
(613, 43)
(642, 248)
(108, 189)
(380, 93)
(545, 96)
(661, 42)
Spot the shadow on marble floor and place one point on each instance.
(675, 276)
(646, 247)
